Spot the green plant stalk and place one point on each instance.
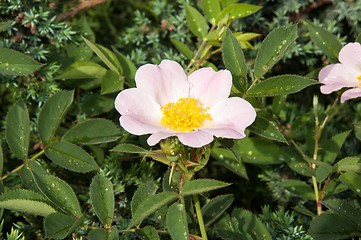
(200, 217)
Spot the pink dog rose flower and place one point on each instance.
(167, 103)
(347, 73)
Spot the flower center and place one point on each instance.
(185, 115)
(359, 80)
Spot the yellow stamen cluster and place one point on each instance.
(359, 79)
(185, 115)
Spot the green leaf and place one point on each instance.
(349, 164)
(151, 204)
(102, 234)
(267, 129)
(236, 11)
(211, 9)
(58, 225)
(228, 159)
(177, 222)
(249, 223)
(273, 48)
(93, 131)
(102, 197)
(52, 113)
(358, 38)
(173, 186)
(128, 67)
(71, 157)
(332, 147)
(18, 129)
(299, 188)
(323, 171)
(258, 151)
(297, 163)
(1, 161)
(27, 176)
(357, 127)
(59, 193)
(144, 190)
(325, 41)
(330, 226)
(15, 63)
(84, 69)
(111, 82)
(196, 22)
(26, 201)
(215, 208)
(181, 47)
(4, 25)
(334, 187)
(96, 104)
(147, 233)
(106, 56)
(201, 186)
(234, 61)
(129, 148)
(352, 180)
(280, 85)
(278, 103)
(345, 209)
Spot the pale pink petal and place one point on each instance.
(166, 82)
(337, 76)
(195, 139)
(141, 114)
(209, 86)
(138, 127)
(230, 114)
(351, 93)
(350, 55)
(156, 137)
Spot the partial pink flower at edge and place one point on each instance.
(346, 74)
(195, 108)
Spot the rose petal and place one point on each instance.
(166, 82)
(137, 127)
(156, 137)
(195, 139)
(351, 93)
(230, 114)
(209, 86)
(337, 76)
(350, 54)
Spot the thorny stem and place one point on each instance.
(200, 217)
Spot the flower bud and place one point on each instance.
(170, 146)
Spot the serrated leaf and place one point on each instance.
(349, 164)
(103, 234)
(345, 209)
(267, 129)
(201, 186)
(177, 222)
(196, 22)
(234, 61)
(236, 11)
(211, 9)
(18, 129)
(352, 180)
(22, 194)
(15, 63)
(147, 233)
(215, 208)
(330, 226)
(28, 206)
(106, 56)
(93, 131)
(83, 70)
(297, 163)
(151, 204)
(181, 47)
(273, 48)
(258, 151)
(52, 113)
(280, 85)
(299, 188)
(129, 68)
(111, 82)
(334, 187)
(325, 41)
(27, 176)
(323, 171)
(332, 147)
(228, 159)
(71, 157)
(102, 197)
(144, 190)
(58, 225)
(357, 127)
(129, 148)
(59, 193)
